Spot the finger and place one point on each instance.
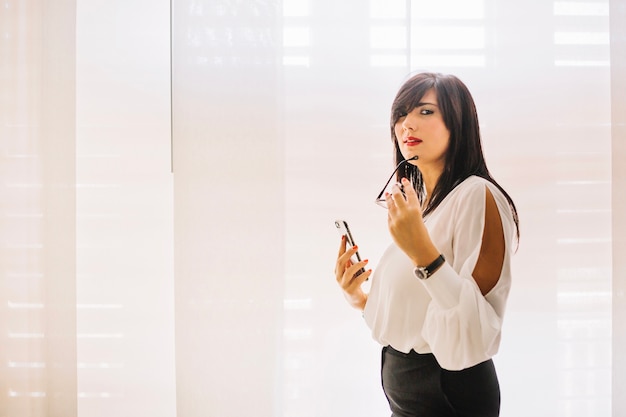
(391, 204)
(398, 197)
(350, 274)
(348, 253)
(343, 261)
(342, 249)
(409, 192)
(342, 246)
(357, 281)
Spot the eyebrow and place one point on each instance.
(420, 104)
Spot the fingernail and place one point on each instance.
(355, 247)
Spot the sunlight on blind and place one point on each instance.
(449, 33)
(581, 43)
(581, 8)
(296, 8)
(581, 38)
(388, 37)
(36, 247)
(388, 33)
(296, 33)
(387, 9)
(449, 9)
(583, 187)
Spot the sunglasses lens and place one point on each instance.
(381, 201)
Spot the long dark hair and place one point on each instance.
(464, 156)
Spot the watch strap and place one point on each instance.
(424, 272)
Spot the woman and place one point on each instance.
(438, 295)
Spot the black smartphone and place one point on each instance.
(342, 228)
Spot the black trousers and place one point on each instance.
(416, 386)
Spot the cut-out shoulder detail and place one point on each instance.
(491, 258)
(460, 322)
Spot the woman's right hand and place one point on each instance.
(345, 273)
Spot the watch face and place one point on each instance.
(424, 272)
(421, 273)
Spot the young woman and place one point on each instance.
(438, 295)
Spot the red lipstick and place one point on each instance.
(412, 141)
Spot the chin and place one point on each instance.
(409, 155)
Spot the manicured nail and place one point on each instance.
(355, 247)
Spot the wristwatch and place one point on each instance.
(424, 272)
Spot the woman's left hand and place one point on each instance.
(406, 224)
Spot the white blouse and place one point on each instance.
(445, 314)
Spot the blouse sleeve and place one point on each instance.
(461, 326)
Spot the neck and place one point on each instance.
(430, 175)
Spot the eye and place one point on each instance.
(426, 112)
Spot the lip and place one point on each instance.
(412, 141)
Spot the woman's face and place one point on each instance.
(422, 132)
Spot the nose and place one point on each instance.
(409, 122)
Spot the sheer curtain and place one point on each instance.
(314, 80)
(38, 258)
(124, 209)
(618, 118)
(228, 208)
(129, 290)
(86, 293)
